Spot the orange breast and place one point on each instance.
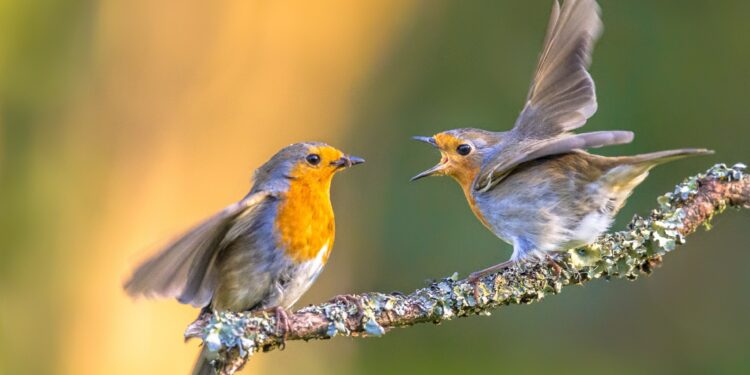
(465, 177)
(305, 220)
(473, 206)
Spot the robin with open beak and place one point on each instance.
(261, 253)
(534, 186)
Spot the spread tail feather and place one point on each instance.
(629, 171)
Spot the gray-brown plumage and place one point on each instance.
(263, 252)
(534, 186)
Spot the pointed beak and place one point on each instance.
(428, 140)
(436, 170)
(347, 161)
(354, 160)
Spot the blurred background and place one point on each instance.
(124, 122)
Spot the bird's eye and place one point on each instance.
(463, 149)
(313, 159)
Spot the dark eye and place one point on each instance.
(313, 159)
(463, 149)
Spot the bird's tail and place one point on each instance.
(653, 159)
(629, 171)
(203, 364)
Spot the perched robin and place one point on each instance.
(533, 186)
(261, 253)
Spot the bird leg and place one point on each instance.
(553, 263)
(476, 276)
(282, 322)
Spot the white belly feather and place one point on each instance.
(304, 275)
(592, 225)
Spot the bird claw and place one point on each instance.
(554, 264)
(282, 323)
(475, 280)
(475, 277)
(195, 329)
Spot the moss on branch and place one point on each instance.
(625, 254)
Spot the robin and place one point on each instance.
(533, 186)
(261, 253)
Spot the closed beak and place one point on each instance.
(438, 169)
(347, 161)
(428, 140)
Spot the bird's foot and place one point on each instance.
(282, 323)
(195, 329)
(475, 277)
(554, 264)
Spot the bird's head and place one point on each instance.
(462, 152)
(308, 162)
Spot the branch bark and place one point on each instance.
(235, 337)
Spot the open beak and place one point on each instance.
(347, 161)
(436, 170)
(428, 140)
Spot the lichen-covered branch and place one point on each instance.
(628, 253)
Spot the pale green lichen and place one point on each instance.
(372, 327)
(337, 316)
(226, 330)
(689, 187)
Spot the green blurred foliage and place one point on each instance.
(39, 46)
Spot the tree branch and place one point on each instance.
(234, 337)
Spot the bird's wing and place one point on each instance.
(562, 94)
(501, 163)
(561, 98)
(183, 269)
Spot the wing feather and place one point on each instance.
(183, 269)
(562, 95)
(501, 166)
(561, 98)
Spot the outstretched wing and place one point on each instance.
(561, 98)
(183, 269)
(562, 94)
